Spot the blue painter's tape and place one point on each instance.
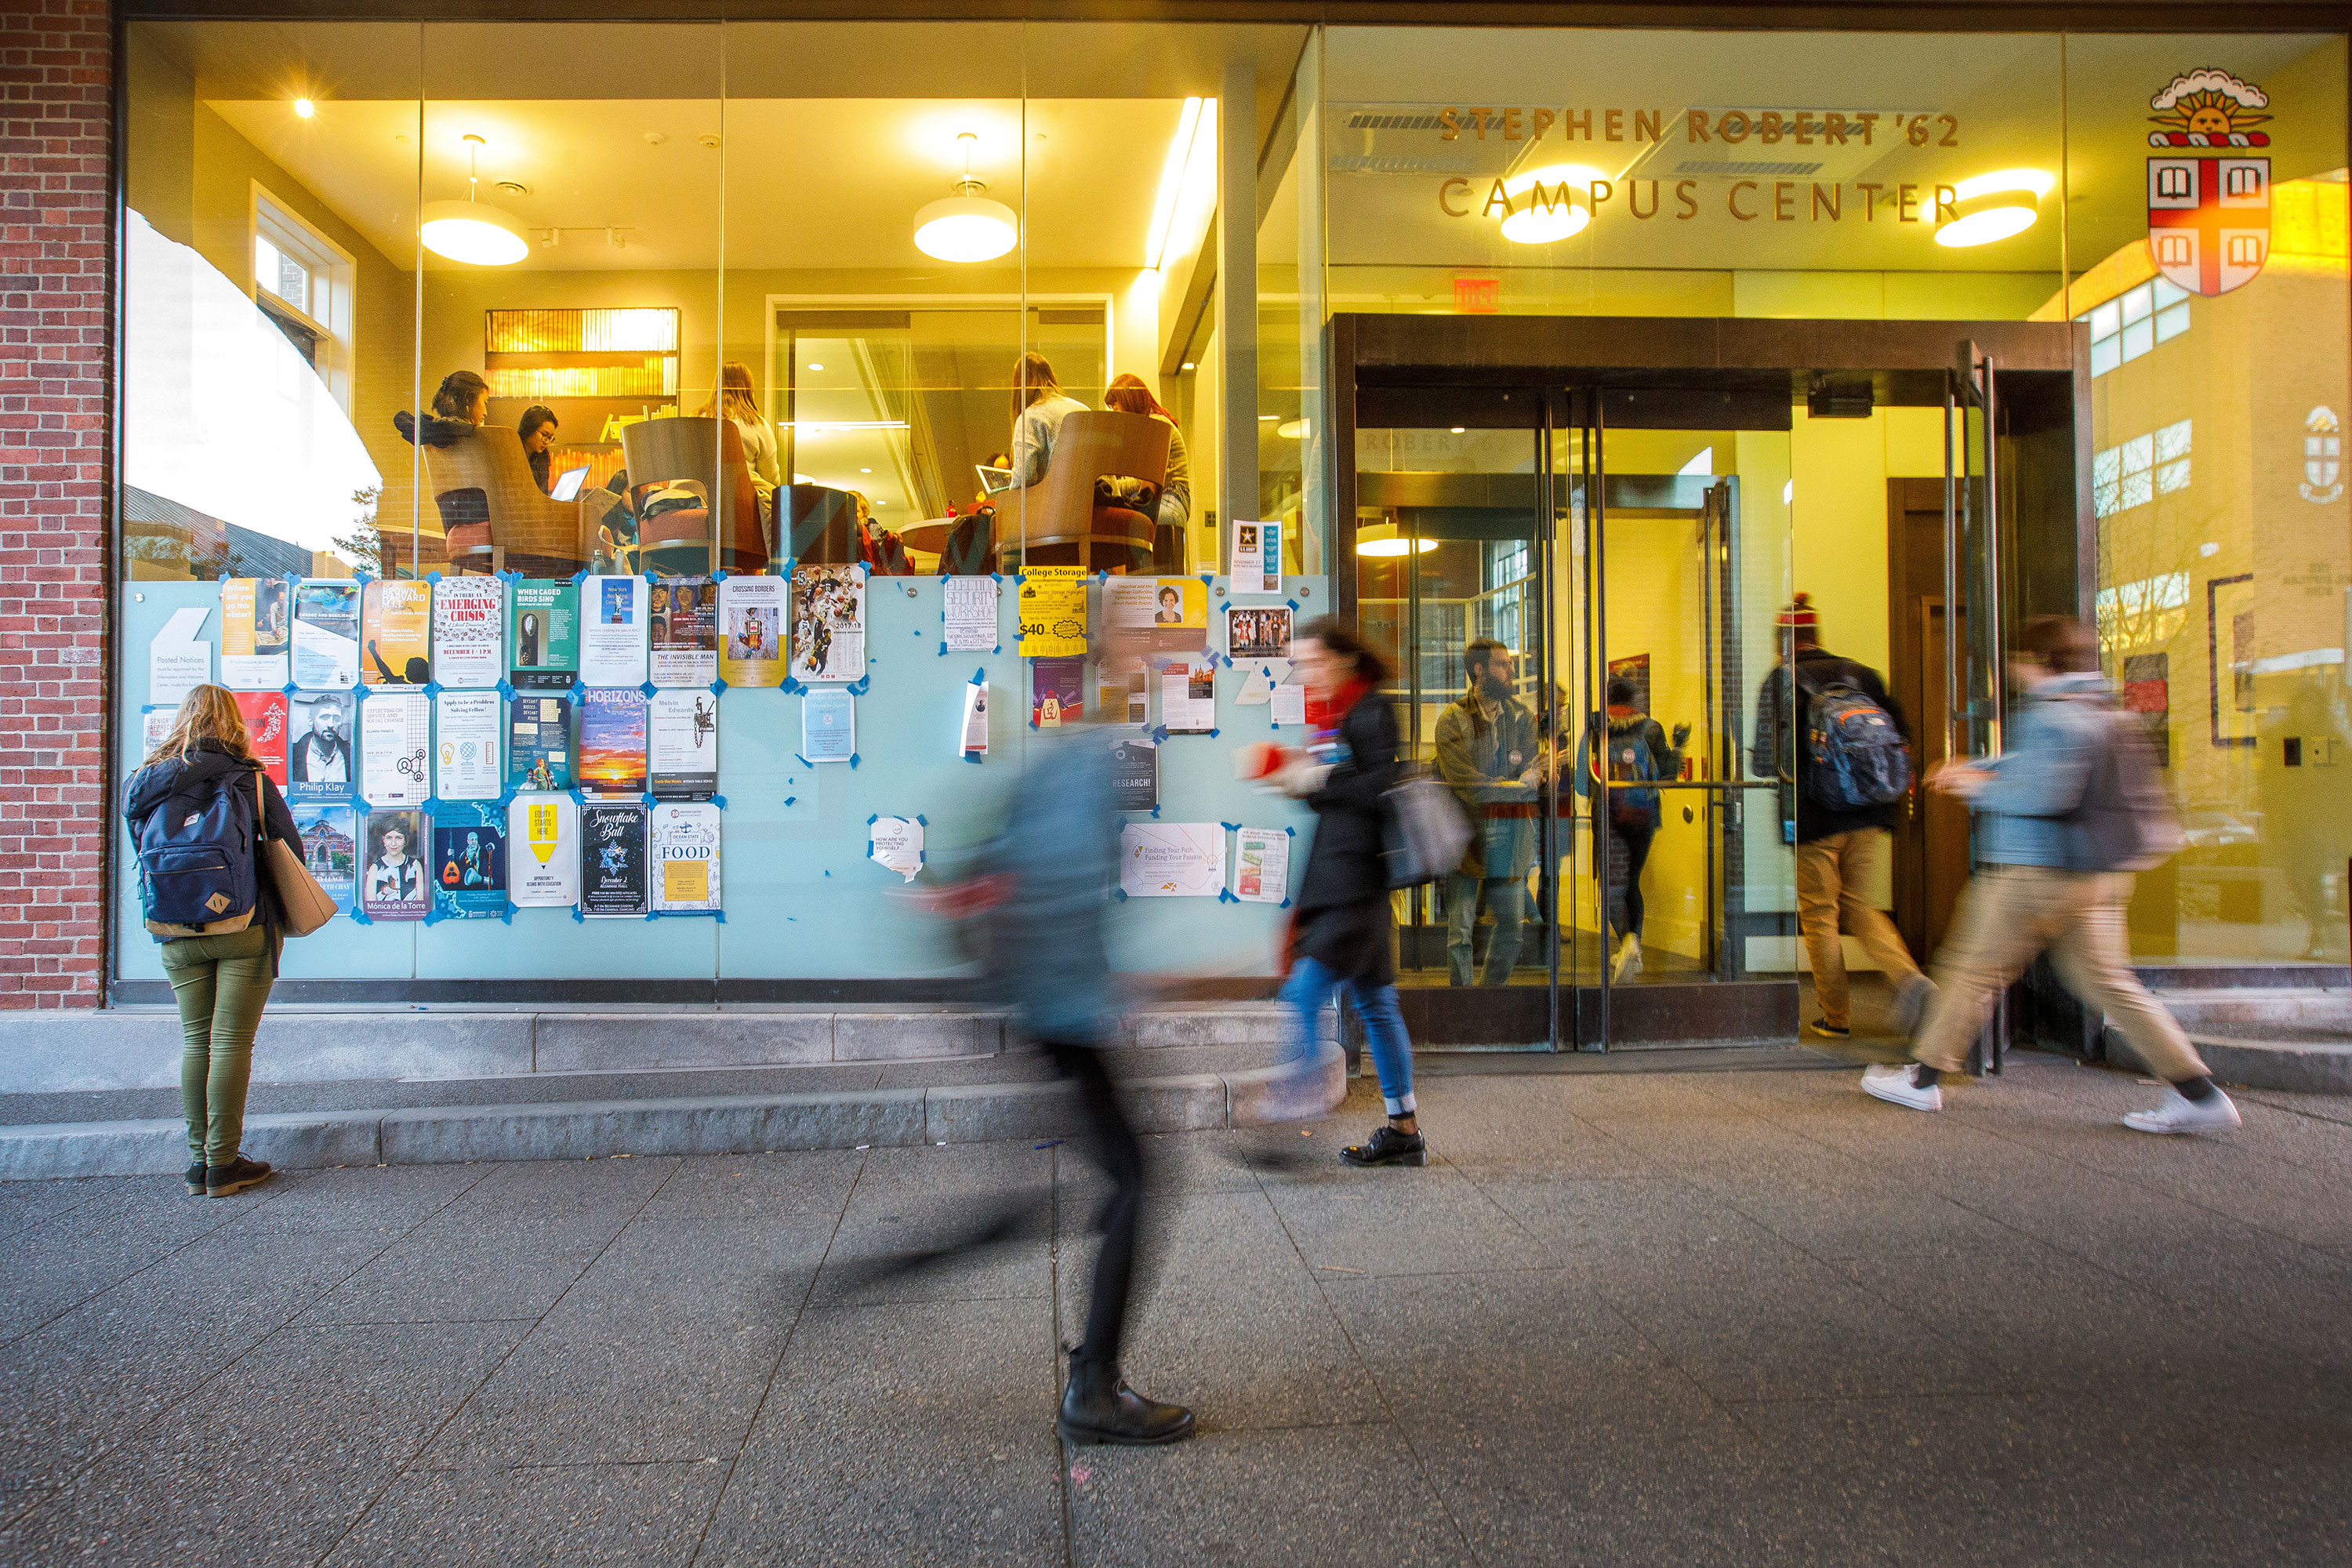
(719, 687)
(1155, 813)
(790, 798)
(653, 578)
(359, 915)
(719, 801)
(1213, 735)
(1119, 893)
(579, 576)
(859, 687)
(1292, 603)
(853, 759)
(1284, 905)
(973, 757)
(943, 647)
(870, 821)
(1231, 826)
(1159, 735)
(798, 758)
(1292, 832)
(506, 689)
(577, 917)
(979, 676)
(1207, 579)
(922, 819)
(1225, 896)
(507, 914)
(648, 689)
(432, 689)
(363, 578)
(647, 800)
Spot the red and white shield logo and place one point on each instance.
(2208, 220)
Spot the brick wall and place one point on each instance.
(55, 101)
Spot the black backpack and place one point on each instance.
(1851, 755)
(197, 859)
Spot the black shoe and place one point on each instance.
(1388, 1146)
(220, 1181)
(197, 1180)
(1099, 1407)
(1828, 1030)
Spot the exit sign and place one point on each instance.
(1478, 295)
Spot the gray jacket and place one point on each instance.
(2054, 735)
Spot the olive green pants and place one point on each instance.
(220, 983)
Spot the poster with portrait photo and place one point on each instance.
(828, 623)
(319, 752)
(612, 740)
(265, 721)
(396, 633)
(751, 631)
(682, 744)
(257, 631)
(539, 744)
(469, 633)
(1169, 615)
(684, 634)
(393, 879)
(1257, 633)
(469, 861)
(326, 635)
(613, 631)
(613, 880)
(397, 749)
(330, 848)
(543, 851)
(544, 634)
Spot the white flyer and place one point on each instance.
(177, 662)
(156, 725)
(469, 629)
(1259, 678)
(1171, 859)
(395, 748)
(684, 837)
(1188, 697)
(970, 614)
(543, 851)
(828, 725)
(1262, 865)
(682, 744)
(975, 719)
(465, 727)
(1289, 704)
(897, 843)
(613, 631)
(1256, 566)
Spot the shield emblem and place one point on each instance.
(2209, 221)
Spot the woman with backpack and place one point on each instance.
(184, 807)
(1339, 932)
(1634, 750)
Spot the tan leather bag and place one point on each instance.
(305, 902)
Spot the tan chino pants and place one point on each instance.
(1831, 874)
(2009, 914)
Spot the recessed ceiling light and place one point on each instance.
(1292, 429)
(304, 109)
(1459, 429)
(1188, 364)
(1264, 418)
(864, 470)
(814, 365)
(1989, 208)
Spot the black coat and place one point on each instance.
(1778, 733)
(158, 782)
(1343, 899)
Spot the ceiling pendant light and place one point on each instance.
(472, 231)
(967, 226)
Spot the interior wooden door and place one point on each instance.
(1931, 839)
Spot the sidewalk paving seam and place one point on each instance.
(1063, 1461)
(401, 1471)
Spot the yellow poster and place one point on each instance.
(396, 633)
(1052, 612)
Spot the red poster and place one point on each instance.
(265, 730)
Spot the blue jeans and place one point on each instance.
(1306, 991)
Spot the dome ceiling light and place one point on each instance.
(966, 226)
(472, 231)
(1559, 203)
(1387, 538)
(1994, 207)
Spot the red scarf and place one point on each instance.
(1322, 717)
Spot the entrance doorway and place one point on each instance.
(1577, 534)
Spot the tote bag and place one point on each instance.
(306, 903)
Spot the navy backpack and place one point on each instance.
(1855, 757)
(197, 849)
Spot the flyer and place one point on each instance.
(751, 631)
(683, 840)
(318, 755)
(975, 719)
(1289, 704)
(1188, 697)
(1058, 690)
(178, 661)
(326, 636)
(1122, 696)
(392, 877)
(1134, 776)
(1172, 613)
(1171, 859)
(1262, 865)
(256, 630)
(970, 614)
(1257, 633)
(465, 746)
(685, 631)
(682, 744)
(1256, 564)
(327, 848)
(155, 727)
(829, 623)
(469, 861)
(1052, 612)
(539, 744)
(265, 721)
(612, 740)
(828, 725)
(469, 632)
(396, 632)
(613, 882)
(395, 748)
(1259, 678)
(896, 842)
(543, 627)
(543, 846)
(613, 631)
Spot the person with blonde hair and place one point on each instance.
(738, 401)
(1039, 407)
(221, 983)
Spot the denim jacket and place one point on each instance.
(2053, 737)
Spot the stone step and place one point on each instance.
(708, 1124)
(2257, 1005)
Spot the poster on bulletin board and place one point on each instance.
(539, 744)
(829, 623)
(612, 740)
(1052, 612)
(613, 880)
(319, 756)
(397, 748)
(465, 746)
(256, 630)
(543, 631)
(329, 848)
(469, 632)
(685, 631)
(751, 631)
(469, 861)
(613, 631)
(543, 851)
(684, 840)
(392, 882)
(326, 636)
(266, 722)
(396, 633)
(682, 744)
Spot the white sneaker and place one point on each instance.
(2179, 1113)
(1628, 961)
(1894, 1085)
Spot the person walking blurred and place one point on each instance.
(2064, 818)
(1623, 756)
(1340, 933)
(220, 981)
(1488, 756)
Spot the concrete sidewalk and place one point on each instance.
(1732, 1317)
